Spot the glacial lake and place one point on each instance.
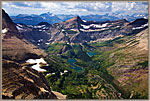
(72, 61)
(91, 54)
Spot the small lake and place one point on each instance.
(72, 61)
(91, 54)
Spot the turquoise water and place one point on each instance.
(91, 54)
(72, 61)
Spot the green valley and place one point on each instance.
(108, 74)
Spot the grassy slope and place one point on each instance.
(126, 59)
(120, 65)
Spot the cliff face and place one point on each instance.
(20, 81)
(23, 82)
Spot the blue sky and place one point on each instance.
(80, 8)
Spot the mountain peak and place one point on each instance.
(9, 24)
(76, 18)
(47, 14)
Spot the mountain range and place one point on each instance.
(57, 18)
(76, 30)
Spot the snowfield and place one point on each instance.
(65, 71)
(4, 30)
(19, 27)
(142, 26)
(94, 25)
(37, 61)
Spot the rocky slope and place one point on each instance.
(126, 59)
(23, 82)
(131, 65)
(76, 30)
(37, 34)
(20, 81)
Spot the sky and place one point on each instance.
(80, 8)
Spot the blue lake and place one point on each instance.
(91, 54)
(72, 61)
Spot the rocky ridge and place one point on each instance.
(20, 81)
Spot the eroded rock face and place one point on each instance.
(75, 30)
(20, 81)
(23, 82)
(14, 46)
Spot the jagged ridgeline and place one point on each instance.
(75, 59)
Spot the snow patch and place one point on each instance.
(142, 26)
(19, 28)
(43, 17)
(49, 74)
(19, 25)
(37, 65)
(40, 40)
(53, 15)
(84, 20)
(4, 30)
(29, 25)
(90, 30)
(47, 43)
(94, 25)
(39, 26)
(73, 29)
(44, 28)
(65, 71)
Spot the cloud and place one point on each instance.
(80, 8)
(94, 6)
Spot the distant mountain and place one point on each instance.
(64, 17)
(27, 19)
(50, 18)
(35, 19)
(53, 18)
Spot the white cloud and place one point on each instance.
(75, 7)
